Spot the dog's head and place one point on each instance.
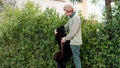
(60, 33)
(61, 30)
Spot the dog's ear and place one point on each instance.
(62, 27)
(58, 29)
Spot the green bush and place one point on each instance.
(112, 33)
(101, 47)
(27, 39)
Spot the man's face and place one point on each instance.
(68, 13)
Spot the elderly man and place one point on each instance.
(74, 27)
(74, 35)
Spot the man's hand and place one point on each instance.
(63, 40)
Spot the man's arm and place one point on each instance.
(66, 26)
(74, 29)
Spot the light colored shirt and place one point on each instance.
(74, 27)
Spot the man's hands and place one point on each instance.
(63, 40)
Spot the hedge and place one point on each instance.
(27, 39)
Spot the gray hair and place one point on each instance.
(69, 7)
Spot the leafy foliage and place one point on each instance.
(27, 39)
(102, 43)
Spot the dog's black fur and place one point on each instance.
(61, 63)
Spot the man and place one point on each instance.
(74, 27)
(74, 35)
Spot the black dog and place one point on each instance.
(61, 63)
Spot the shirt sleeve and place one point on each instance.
(66, 26)
(74, 28)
